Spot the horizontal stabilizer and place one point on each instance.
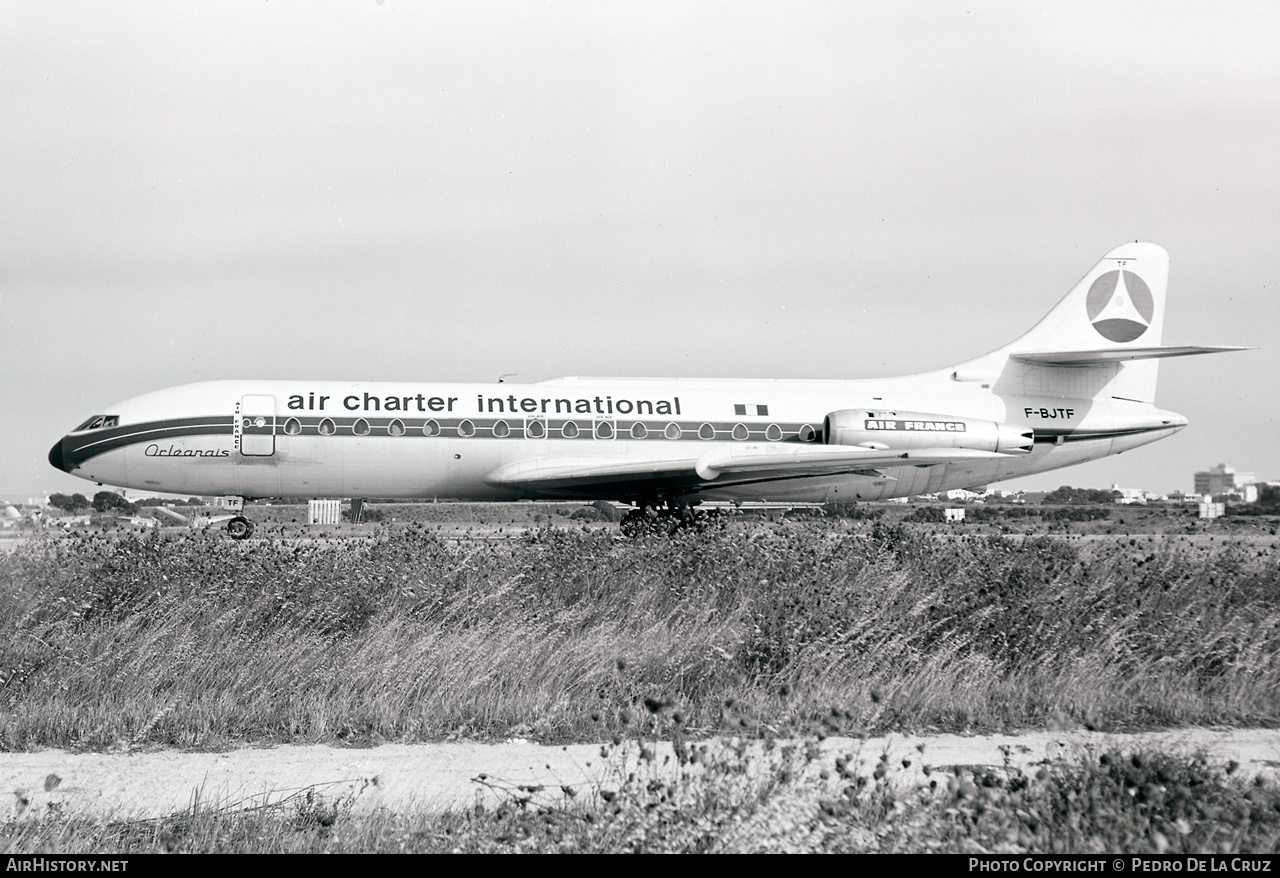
(1105, 356)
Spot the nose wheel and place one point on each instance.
(239, 527)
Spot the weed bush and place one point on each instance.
(720, 801)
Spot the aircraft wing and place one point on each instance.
(720, 467)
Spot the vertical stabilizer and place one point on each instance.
(1117, 305)
(1120, 302)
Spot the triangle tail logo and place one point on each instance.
(1120, 306)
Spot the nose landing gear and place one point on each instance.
(240, 528)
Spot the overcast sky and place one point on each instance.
(420, 191)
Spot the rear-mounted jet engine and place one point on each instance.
(893, 430)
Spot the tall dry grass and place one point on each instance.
(198, 641)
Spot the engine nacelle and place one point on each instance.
(893, 430)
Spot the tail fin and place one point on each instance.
(1103, 337)
(1119, 303)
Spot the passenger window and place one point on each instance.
(706, 431)
(569, 430)
(773, 432)
(431, 428)
(396, 428)
(604, 429)
(360, 427)
(293, 426)
(535, 429)
(327, 428)
(673, 431)
(807, 433)
(501, 430)
(466, 428)
(639, 430)
(740, 432)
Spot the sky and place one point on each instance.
(385, 190)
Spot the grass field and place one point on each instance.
(781, 629)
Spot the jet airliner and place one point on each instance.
(1077, 386)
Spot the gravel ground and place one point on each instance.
(404, 777)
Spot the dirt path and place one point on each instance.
(405, 777)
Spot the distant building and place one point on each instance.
(1130, 495)
(324, 512)
(1212, 510)
(1223, 479)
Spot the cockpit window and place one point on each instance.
(98, 421)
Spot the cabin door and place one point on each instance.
(256, 425)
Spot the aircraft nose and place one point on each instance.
(55, 457)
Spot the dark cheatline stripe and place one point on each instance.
(77, 449)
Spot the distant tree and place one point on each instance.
(69, 504)
(106, 501)
(1268, 503)
(1269, 499)
(607, 510)
(929, 514)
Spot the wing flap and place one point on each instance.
(822, 460)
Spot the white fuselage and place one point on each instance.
(315, 439)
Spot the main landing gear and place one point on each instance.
(240, 528)
(652, 518)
